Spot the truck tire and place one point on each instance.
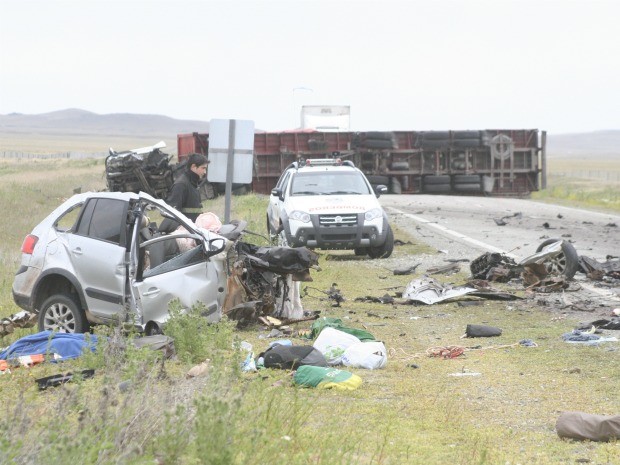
(379, 135)
(376, 179)
(566, 263)
(466, 135)
(437, 189)
(378, 144)
(436, 135)
(466, 178)
(433, 179)
(385, 250)
(466, 143)
(468, 187)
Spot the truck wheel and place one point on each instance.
(466, 178)
(468, 187)
(360, 252)
(566, 263)
(61, 313)
(466, 134)
(385, 250)
(437, 189)
(433, 179)
(376, 179)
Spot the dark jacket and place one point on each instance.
(185, 197)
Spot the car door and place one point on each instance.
(275, 203)
(190, 276)
(97, 254)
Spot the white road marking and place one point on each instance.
(451, 233)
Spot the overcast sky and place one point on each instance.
(418, 65)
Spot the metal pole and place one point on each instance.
(230, 167)
(543, 159)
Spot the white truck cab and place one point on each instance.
(329, 204)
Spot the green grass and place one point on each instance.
(140, 409)
(566, 187)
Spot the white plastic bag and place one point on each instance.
(370, 355)
(332, 343)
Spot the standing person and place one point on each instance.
(184, 194)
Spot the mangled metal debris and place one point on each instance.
(21, 319)
(429, 291)
(601, 271)
(494, 267)
(554, 263)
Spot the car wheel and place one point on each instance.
(565, 263)
(360, 251)
(385, 250)
(61, 313)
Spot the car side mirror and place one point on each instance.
(380, 189)
(277, 192)
(216, 246)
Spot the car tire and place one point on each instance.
(566, 263)
(385, 250)
(61, 313)
(360, 252)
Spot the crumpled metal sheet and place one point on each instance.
(430, 291)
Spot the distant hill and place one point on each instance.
(75, 121)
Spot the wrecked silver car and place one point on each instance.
(97, 259)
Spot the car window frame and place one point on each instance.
(86, 218)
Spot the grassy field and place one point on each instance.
(583, 183)
(140, 409)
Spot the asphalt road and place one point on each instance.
(464, 227)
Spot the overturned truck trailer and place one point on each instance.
(502, 162)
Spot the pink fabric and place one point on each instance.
(208, 221)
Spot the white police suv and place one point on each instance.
(329, 204)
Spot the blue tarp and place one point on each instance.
(67, 345)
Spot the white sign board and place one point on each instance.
(231, 137)
(326, 117)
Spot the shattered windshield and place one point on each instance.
(329, 183)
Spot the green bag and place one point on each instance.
(336, 323)
(326, 378)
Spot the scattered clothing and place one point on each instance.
(326, 378)
(580, 425)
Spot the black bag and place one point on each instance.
(291, 357)
(482, 331)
